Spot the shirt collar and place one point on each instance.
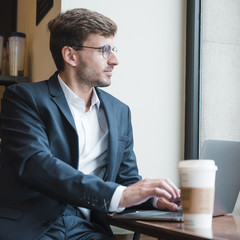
(72, 97)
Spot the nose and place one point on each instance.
(112, 59)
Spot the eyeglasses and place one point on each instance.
(106, 49)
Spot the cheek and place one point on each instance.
(93, 66)
(92, 72)
(98, 68)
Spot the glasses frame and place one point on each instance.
(106, 49)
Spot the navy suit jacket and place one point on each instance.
(39, 159)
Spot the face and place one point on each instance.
(92, 68)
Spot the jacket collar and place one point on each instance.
(54, 87)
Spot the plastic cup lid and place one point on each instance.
(17, 34)
(198, 165)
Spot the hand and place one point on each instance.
(148, 188)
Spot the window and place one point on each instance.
(212, 74)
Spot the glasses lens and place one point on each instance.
(115, 49)
(106, 51)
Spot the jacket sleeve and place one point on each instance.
(25, 143)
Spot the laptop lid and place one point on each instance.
(226, 155)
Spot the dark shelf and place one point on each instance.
(8, 80)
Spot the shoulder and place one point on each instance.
(32, 88)
(105, 96)
(25, 91)
(29, 86)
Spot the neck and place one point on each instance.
(82, 90)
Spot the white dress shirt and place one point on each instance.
(92, 132)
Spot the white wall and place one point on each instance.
(150, 77)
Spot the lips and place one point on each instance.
(109, 72)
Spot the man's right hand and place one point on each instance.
(148, 188)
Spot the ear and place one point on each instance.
(69, 56)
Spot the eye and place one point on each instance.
(107, 48)
(106, 51)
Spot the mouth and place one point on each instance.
(109, 72)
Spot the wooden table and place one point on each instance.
(223, 228)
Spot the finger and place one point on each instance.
(177, 201)
(162, 183)
(171, 188)
(154, 192)
(160, 192)
(164, 203)
(175, 188)
(168, 188)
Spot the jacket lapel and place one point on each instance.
(58, 97)
(108, 108)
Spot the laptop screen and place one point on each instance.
(226, 155)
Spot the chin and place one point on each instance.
(104, 83)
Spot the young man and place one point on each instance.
(67, 146)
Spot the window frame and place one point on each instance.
(192, 94)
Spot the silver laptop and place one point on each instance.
(227, 158)
(226, 155)
(152, 215)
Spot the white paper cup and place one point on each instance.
(16, 53)
(197, 182)
(1, 51)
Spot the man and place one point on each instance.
(67, 146)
